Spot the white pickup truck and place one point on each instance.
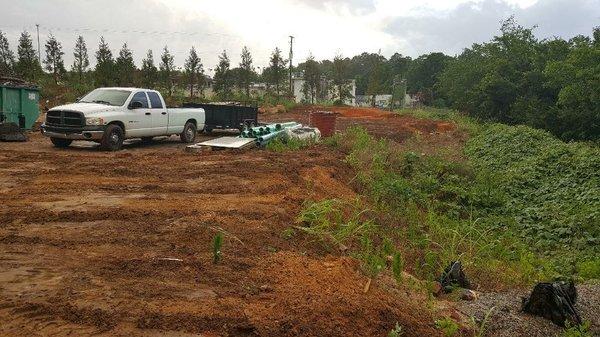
(111, 115)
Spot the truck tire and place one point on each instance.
(189, 133)
(113, 138)
(60, 142)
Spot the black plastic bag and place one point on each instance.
(554, 301)
(454, 276)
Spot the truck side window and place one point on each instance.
(155, 100)
(141, 96)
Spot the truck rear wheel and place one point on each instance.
(189, 133)
(60, 142)
(113, 138)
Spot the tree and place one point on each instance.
(104, 71)
(423, 74)
(247, 73)
(7, 57)
(339, 77)
(167, 69)
(125, 67)
(275, 74)
(82, 61)
(312, 79)
(194, 71)
(222, 79)
(54, 59)
(149, 72)
(28, 65)
(375, 86)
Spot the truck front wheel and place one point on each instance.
(113, 138)
(60, 142)
(189, 133)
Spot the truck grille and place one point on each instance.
(65, 118)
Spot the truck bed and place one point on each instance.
(220, 116)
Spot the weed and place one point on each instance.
(481, 327)
(448, 326)
(280, 144)
(582, 330)
(217, 243)
(396, 331)
(288, 233)
(397, 266)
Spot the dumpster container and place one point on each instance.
(19, 104)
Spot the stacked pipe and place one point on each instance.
(266, 133)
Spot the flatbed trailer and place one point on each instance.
(226, 116)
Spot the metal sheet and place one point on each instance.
(228, 142)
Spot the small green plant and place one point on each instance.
(288, 233)
(480, 328)
(217, 244)
(582, 330)
(397, 266)
(396, 331)
(448, 326)
(280, 144)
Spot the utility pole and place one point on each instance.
(291, 56)
(37, 26)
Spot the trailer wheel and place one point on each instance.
(189, 133)
(60, 142)
(113, 138)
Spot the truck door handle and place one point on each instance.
(148, 113)
(163, 113)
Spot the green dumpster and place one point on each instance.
(19, 104)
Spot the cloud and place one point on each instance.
(473, 22)
(357, 6)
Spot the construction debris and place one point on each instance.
(554, 301)
(10, 132)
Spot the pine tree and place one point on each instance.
(104, 71)
(28, 65)
(312, 79)
(125, 67)
(7, 57)
(194, 71)
(82, 61)
(149, 72)
(275, 73)
(247, 73)
(340, 78)
(222, 79)
(54, 58)
(167, 68)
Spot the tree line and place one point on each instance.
(120, 69)
(514, 78)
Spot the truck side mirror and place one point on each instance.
(136, 105)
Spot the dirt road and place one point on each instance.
(120, 244)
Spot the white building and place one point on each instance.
(329, 92)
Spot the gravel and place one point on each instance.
(507, 320)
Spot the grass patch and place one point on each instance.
(281, 144)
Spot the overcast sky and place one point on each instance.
(325, 28)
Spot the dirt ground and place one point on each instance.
(120, 244)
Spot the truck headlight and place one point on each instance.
(94, 121)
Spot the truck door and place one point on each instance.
(139, 121)
(160, 114)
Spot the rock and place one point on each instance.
(436, 288)
(468, 295)
(266, 288)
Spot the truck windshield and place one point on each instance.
(106, 96)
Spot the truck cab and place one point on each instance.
(111, 115)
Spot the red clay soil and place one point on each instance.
(378, 122)
(120, 244)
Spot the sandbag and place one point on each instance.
(303, 133)
(554, 301)
(454, 276)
